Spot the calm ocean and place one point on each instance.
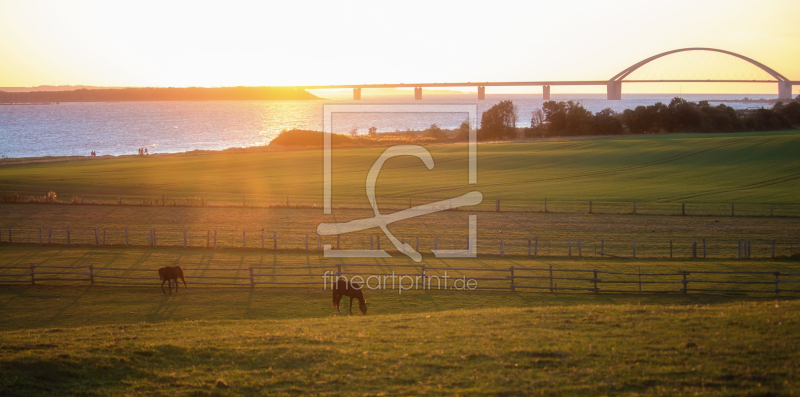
(167, 127)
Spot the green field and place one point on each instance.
(69, 338)
(674, 168)
(133, 341)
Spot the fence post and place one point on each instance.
(773, 249)
(215, 239)
(68, 236)
(580, 253)
(536, 247)
(529, 247)
(423, 276)
(306, 241)
(252, 279)
(545, 204)
(704, 248)
(262, 238)
(640, 279)
(96, 238)
(590, 207)
(497, 206)
(416, 248)
(275, 241)
(126, 236)
(551, 278)
(683, 209)
(338, 240)
(49, 234)
(595, 281)
(512, 278)
(184, 238)
(685, 283)
(634, 208)
(319, 242)
(378, 241)
(634, 248)
(40, 236)
(569, 247)
(91, 274)
(371, 243)
(33, 279)
(244, 239)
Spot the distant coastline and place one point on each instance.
(159, 94)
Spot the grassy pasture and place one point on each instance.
(675, 168)
(67, 338)
(113, 341)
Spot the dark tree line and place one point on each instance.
(571, 118)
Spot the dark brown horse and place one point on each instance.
(352, 290)
(169, 273)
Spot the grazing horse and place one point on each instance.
(169, 273)
(352, 290)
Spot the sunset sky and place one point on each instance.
(165, 43)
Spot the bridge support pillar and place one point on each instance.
(546, 92)
(784, 90)
(356, 94)
(614, 90)
(417, 93)
(481, 92)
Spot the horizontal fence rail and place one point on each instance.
(397, 203)
(423, 277)
(507, 244)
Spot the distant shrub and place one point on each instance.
(308, 138)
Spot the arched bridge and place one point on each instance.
(636, 73)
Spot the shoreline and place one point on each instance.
(10, 161)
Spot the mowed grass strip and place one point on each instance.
(224, 342)
(695, 168)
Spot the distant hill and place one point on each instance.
(55, 88)
(160, 94)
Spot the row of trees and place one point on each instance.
(571, 118)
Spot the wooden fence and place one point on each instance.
(542, 205)
(423, 277)
(502, 245)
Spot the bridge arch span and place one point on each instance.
(615, 83)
